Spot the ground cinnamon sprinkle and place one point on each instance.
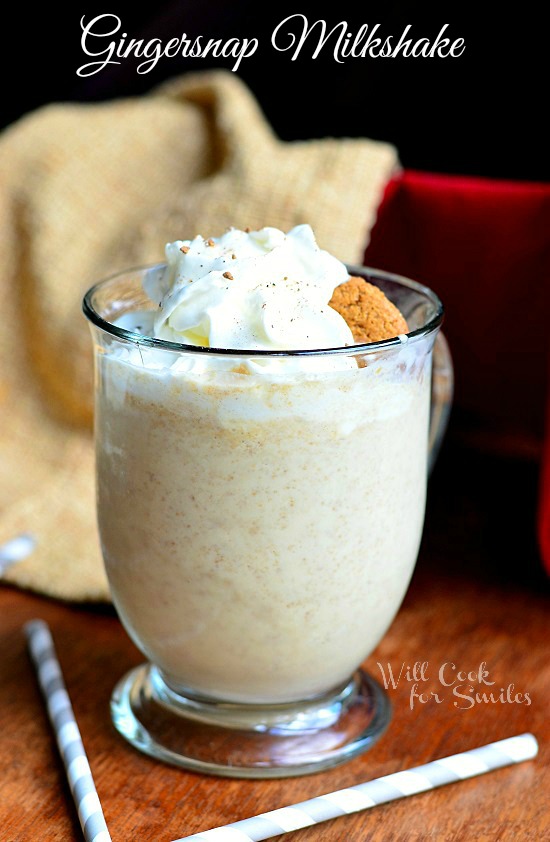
(370, 316)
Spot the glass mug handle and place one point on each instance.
(442, 397)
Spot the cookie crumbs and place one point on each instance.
(210, 242)
(229, 276)
(184, 249)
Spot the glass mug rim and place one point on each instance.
(431, 326)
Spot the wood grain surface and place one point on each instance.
(478, 597)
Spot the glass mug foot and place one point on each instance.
(249, 741)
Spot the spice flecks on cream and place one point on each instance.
(238, 291)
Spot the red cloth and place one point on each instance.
(544, 498)
(483, 246)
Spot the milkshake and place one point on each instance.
(260, 512)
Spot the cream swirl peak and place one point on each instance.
(249, 290)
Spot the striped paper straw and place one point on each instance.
(66, 731)
(16, 550)
(362, 797)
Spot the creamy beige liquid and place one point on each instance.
(259, 532)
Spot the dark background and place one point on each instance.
(479, 114)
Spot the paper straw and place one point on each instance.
(66, 731)
(362, 797)
(16, 550)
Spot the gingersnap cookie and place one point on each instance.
(370, 316)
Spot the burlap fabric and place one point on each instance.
(87, 190)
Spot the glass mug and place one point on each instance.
(260, 515)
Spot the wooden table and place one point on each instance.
(478, 597)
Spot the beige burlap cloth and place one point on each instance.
(87, 190)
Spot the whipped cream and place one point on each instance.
(258, 290)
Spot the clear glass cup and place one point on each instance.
(260, 516)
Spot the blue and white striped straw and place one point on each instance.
(16, 550)
(362, 797)
(61, 716)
